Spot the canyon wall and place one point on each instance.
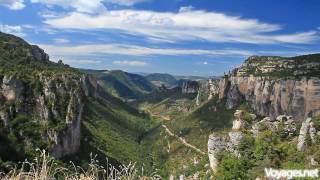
(57, 106)
(269, 94)
(41, 102)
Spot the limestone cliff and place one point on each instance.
(274, 86)
(57, 107)
(41, 102)
(188, 86)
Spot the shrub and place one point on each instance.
(263, 144)
(231, 167)
(247, 117)
(246, 146)
(316, 122)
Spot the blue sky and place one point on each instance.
(183, 37)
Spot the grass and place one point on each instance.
(44, 167)
(196, 126)
(113, 131)
(170, 103)
(169, 155)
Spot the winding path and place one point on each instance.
(170, 133)
(182, 140)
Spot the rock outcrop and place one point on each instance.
(207, 90)
(286, 123)
(218, 143)
(270, 94)
(308, 134)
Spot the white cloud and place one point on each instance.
(131, 63)
(126, 2)
(15, 30)
(13, 4)
(61, 40)
(205, 63)
(77, 62)
(122, 49)
(187, 24)
(86, 6)
(84, 62)
(186, 8)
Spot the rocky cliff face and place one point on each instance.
(207, 89)
(273, 86)
(57, 105)
(41, 102)
(188, 87)
(204, 89)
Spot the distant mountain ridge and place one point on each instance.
(160, 79)
(123, 84)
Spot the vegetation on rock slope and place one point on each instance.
(26, 67)
(159, 79)
(122, 84)
(113, 129)
(282, 67)
(110, 128)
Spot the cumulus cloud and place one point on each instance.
(187, 24)
(131, 63)
(16, 30)
(85, 6)
(13, 4)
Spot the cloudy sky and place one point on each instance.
(183, 37)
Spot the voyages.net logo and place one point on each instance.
(289, 174)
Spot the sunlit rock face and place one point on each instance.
(308, 134)
(215, 145)
(207, 90)
(270, 94)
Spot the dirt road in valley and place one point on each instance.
(182, 140)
